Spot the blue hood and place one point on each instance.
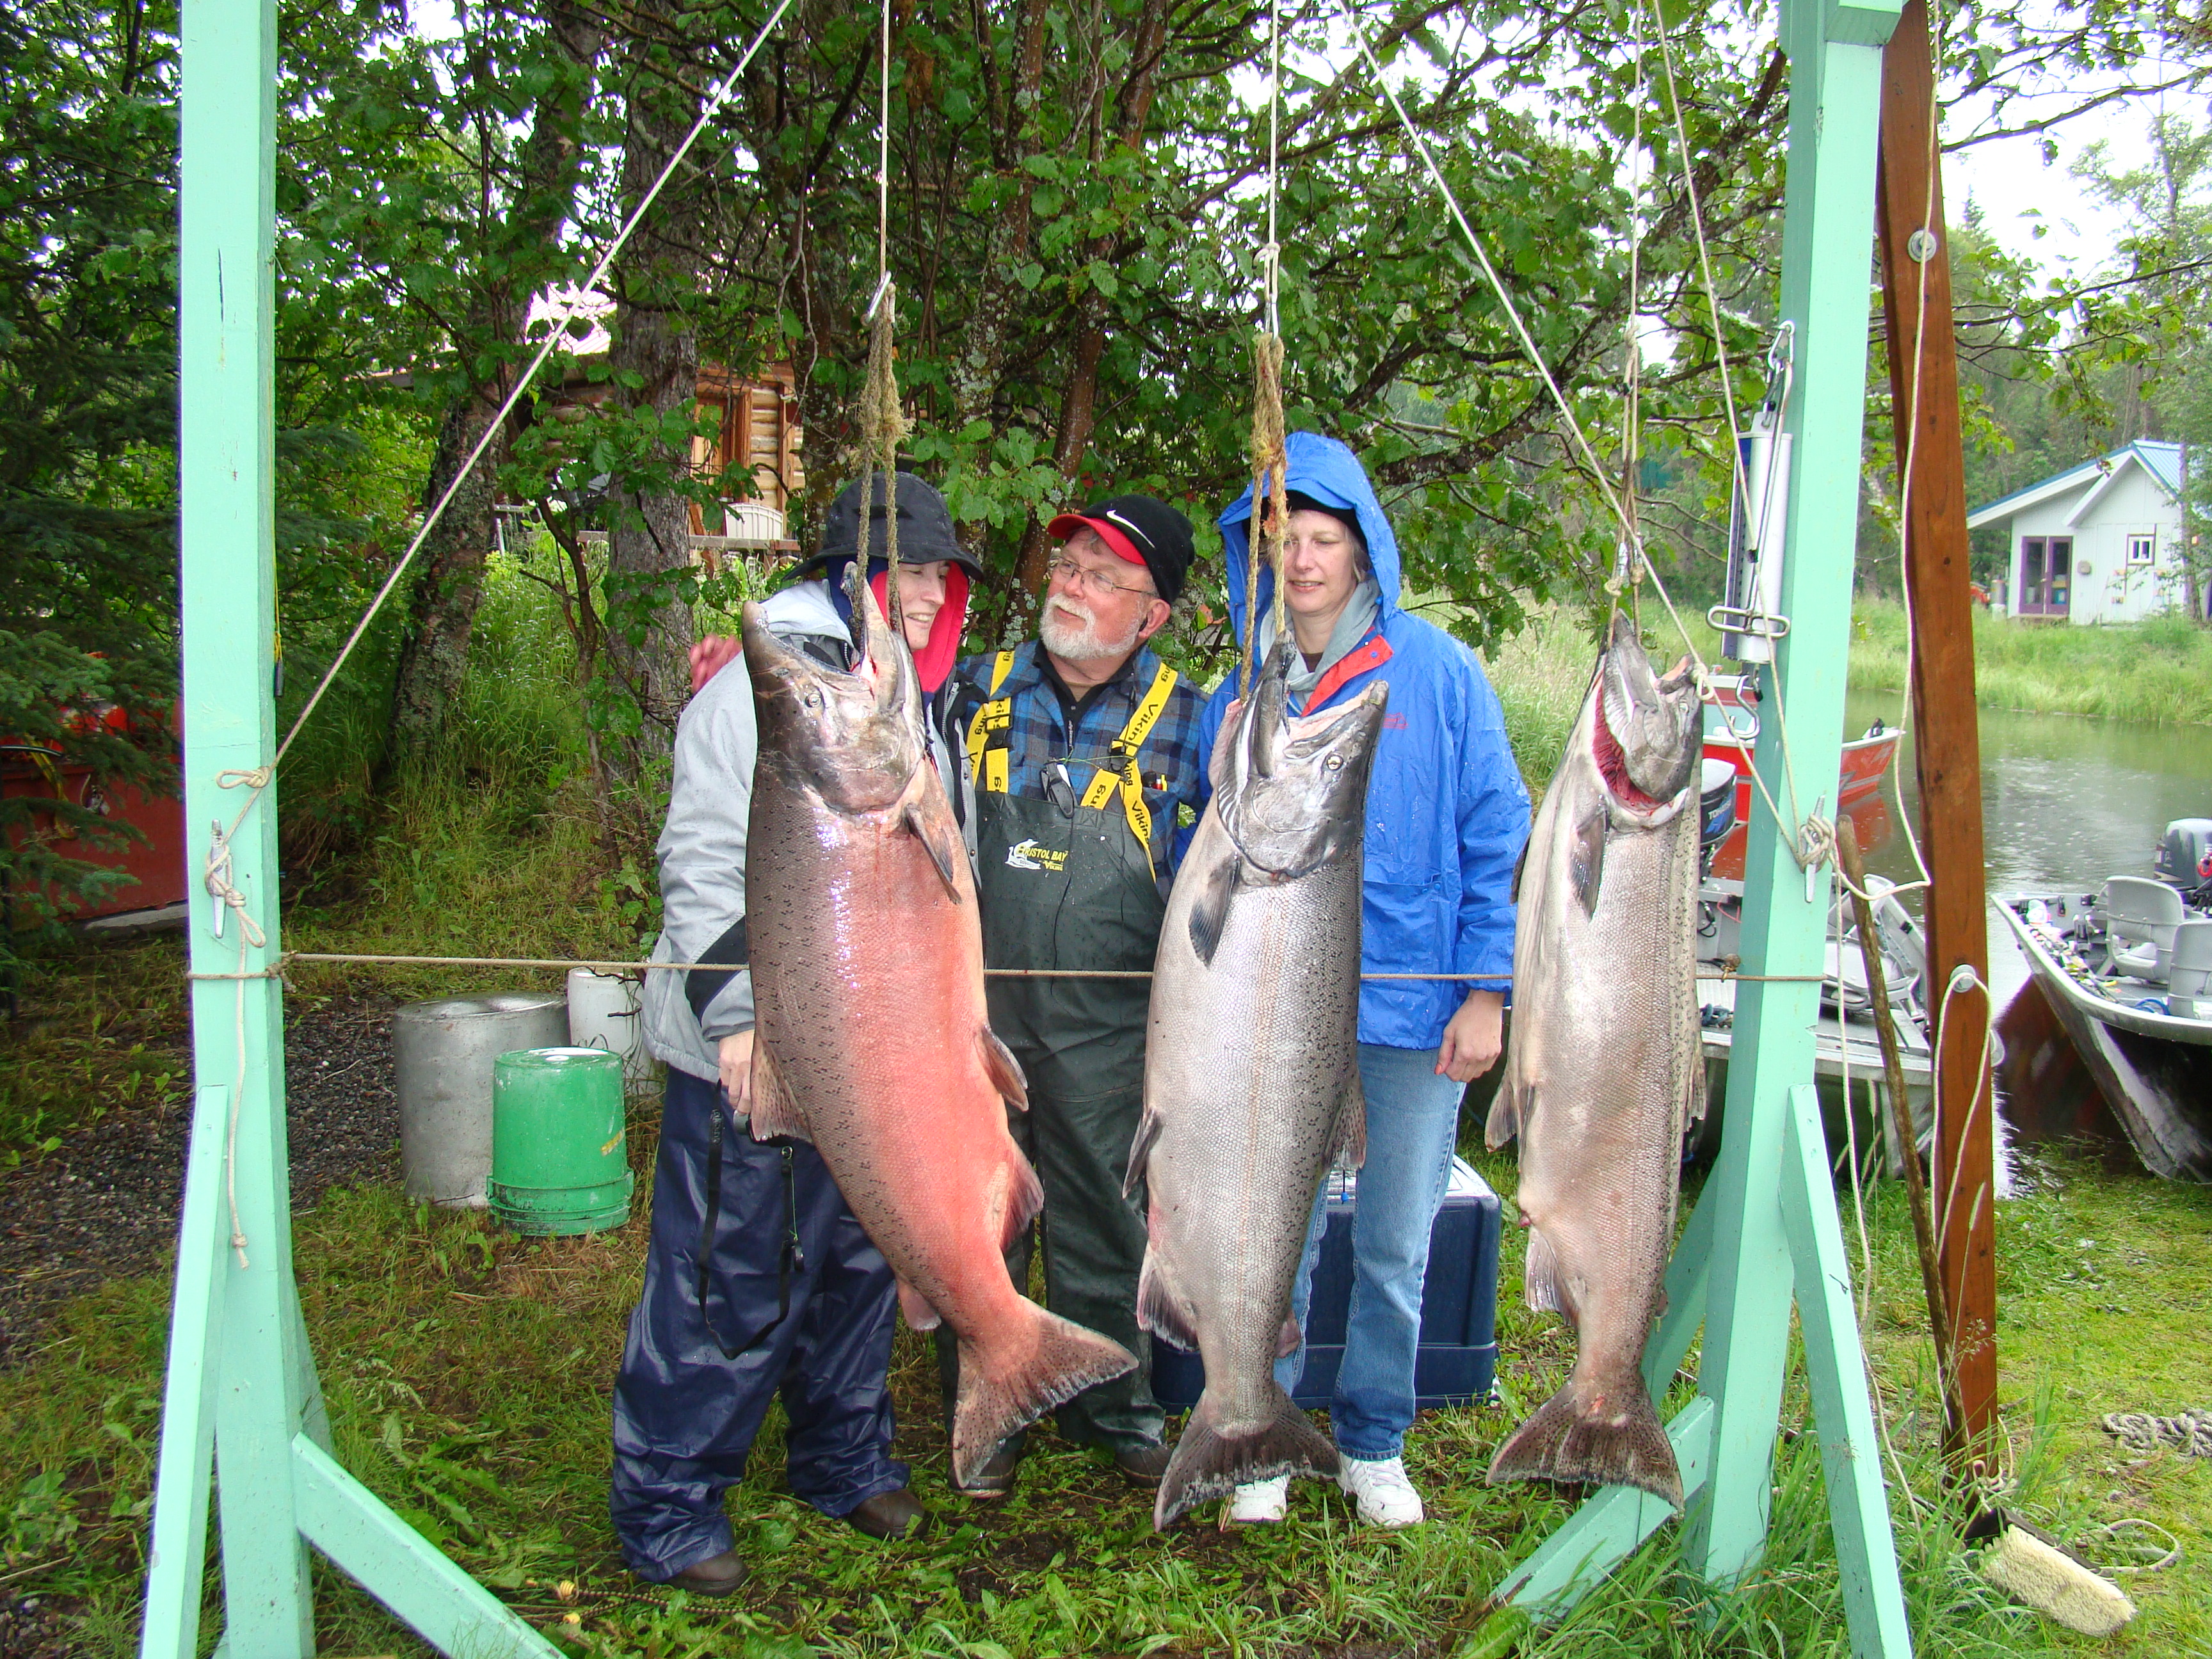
(1329, 472)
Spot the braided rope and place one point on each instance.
(1270, 498)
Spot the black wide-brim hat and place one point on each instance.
(925, 526)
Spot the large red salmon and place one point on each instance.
(872, 1039)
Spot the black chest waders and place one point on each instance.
(1065, 885)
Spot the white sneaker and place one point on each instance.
(1386, 1497)
(1261, 1503)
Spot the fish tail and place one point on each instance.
(1605, 1435)
(1007, 1384)
(1213, 1458)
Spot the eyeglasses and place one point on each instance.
(1081, 576)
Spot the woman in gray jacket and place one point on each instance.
(758, 1281)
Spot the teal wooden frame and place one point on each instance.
(1755, 1243)
(241, 1374)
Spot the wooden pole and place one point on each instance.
(1924, 375)
(1900, 1114)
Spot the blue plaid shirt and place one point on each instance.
(1169, 761)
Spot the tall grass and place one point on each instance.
(1540, 675)
(2158, 670)
(490, 846)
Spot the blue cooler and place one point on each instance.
(1459, 1305)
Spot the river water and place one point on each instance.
(2065, 803)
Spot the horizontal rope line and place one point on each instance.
(600, 965)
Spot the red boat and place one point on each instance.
(1732, 732)
(155, 865)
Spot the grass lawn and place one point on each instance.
(467, 1373)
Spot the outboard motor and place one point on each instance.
(1716, 810)
(2185, 859)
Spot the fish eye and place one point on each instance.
(810, 701)
(1334, 762)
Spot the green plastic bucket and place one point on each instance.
(558, 1162)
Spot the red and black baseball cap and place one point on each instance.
(1141, 529)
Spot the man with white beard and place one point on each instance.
(1082, 748)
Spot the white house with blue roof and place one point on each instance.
(2098, 543)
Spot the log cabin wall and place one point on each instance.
(757, 432)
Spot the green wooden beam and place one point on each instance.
(1827, 243)
(242, 1380)
(176, 1558)
(225, 443)
(1835, 1367)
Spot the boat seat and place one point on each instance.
(2141, 916)
(2189, 973)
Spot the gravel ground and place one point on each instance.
(104, 1205)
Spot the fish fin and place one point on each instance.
(1004, 1070)
(1209, 914)
(1350, 1150)
(1140, 1149)
(775, 1115)
(1008, 1383)
(1596, 1432)
(1290, 1339)
(1162, 1309)
(1213, 1458)
(942, 848)
(1694, 1103)
(920, 1315)
(1586, 864)
(1507, 1112)
(1024, 1197)
(1520, 864)
(1542, 1284)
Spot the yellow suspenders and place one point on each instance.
(987, 765)
(1124, 750)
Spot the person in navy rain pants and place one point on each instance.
(759, 1284)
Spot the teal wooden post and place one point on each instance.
(1756, 1243)
(241, 1387)
(226, 439)
(1827, 250)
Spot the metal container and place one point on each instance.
(558, 1162)
(443, 1052)
(604, 1014)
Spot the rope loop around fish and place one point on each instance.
(884, 427)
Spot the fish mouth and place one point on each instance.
(853, 738)
(1643, 739)
(1298, 797)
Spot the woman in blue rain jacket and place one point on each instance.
(1446, 818)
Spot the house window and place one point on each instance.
(2142, 547)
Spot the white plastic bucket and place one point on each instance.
(603, 1013)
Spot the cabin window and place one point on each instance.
(2142, 547)
(2031, 570)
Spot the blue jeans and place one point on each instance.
(1412, 1124)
